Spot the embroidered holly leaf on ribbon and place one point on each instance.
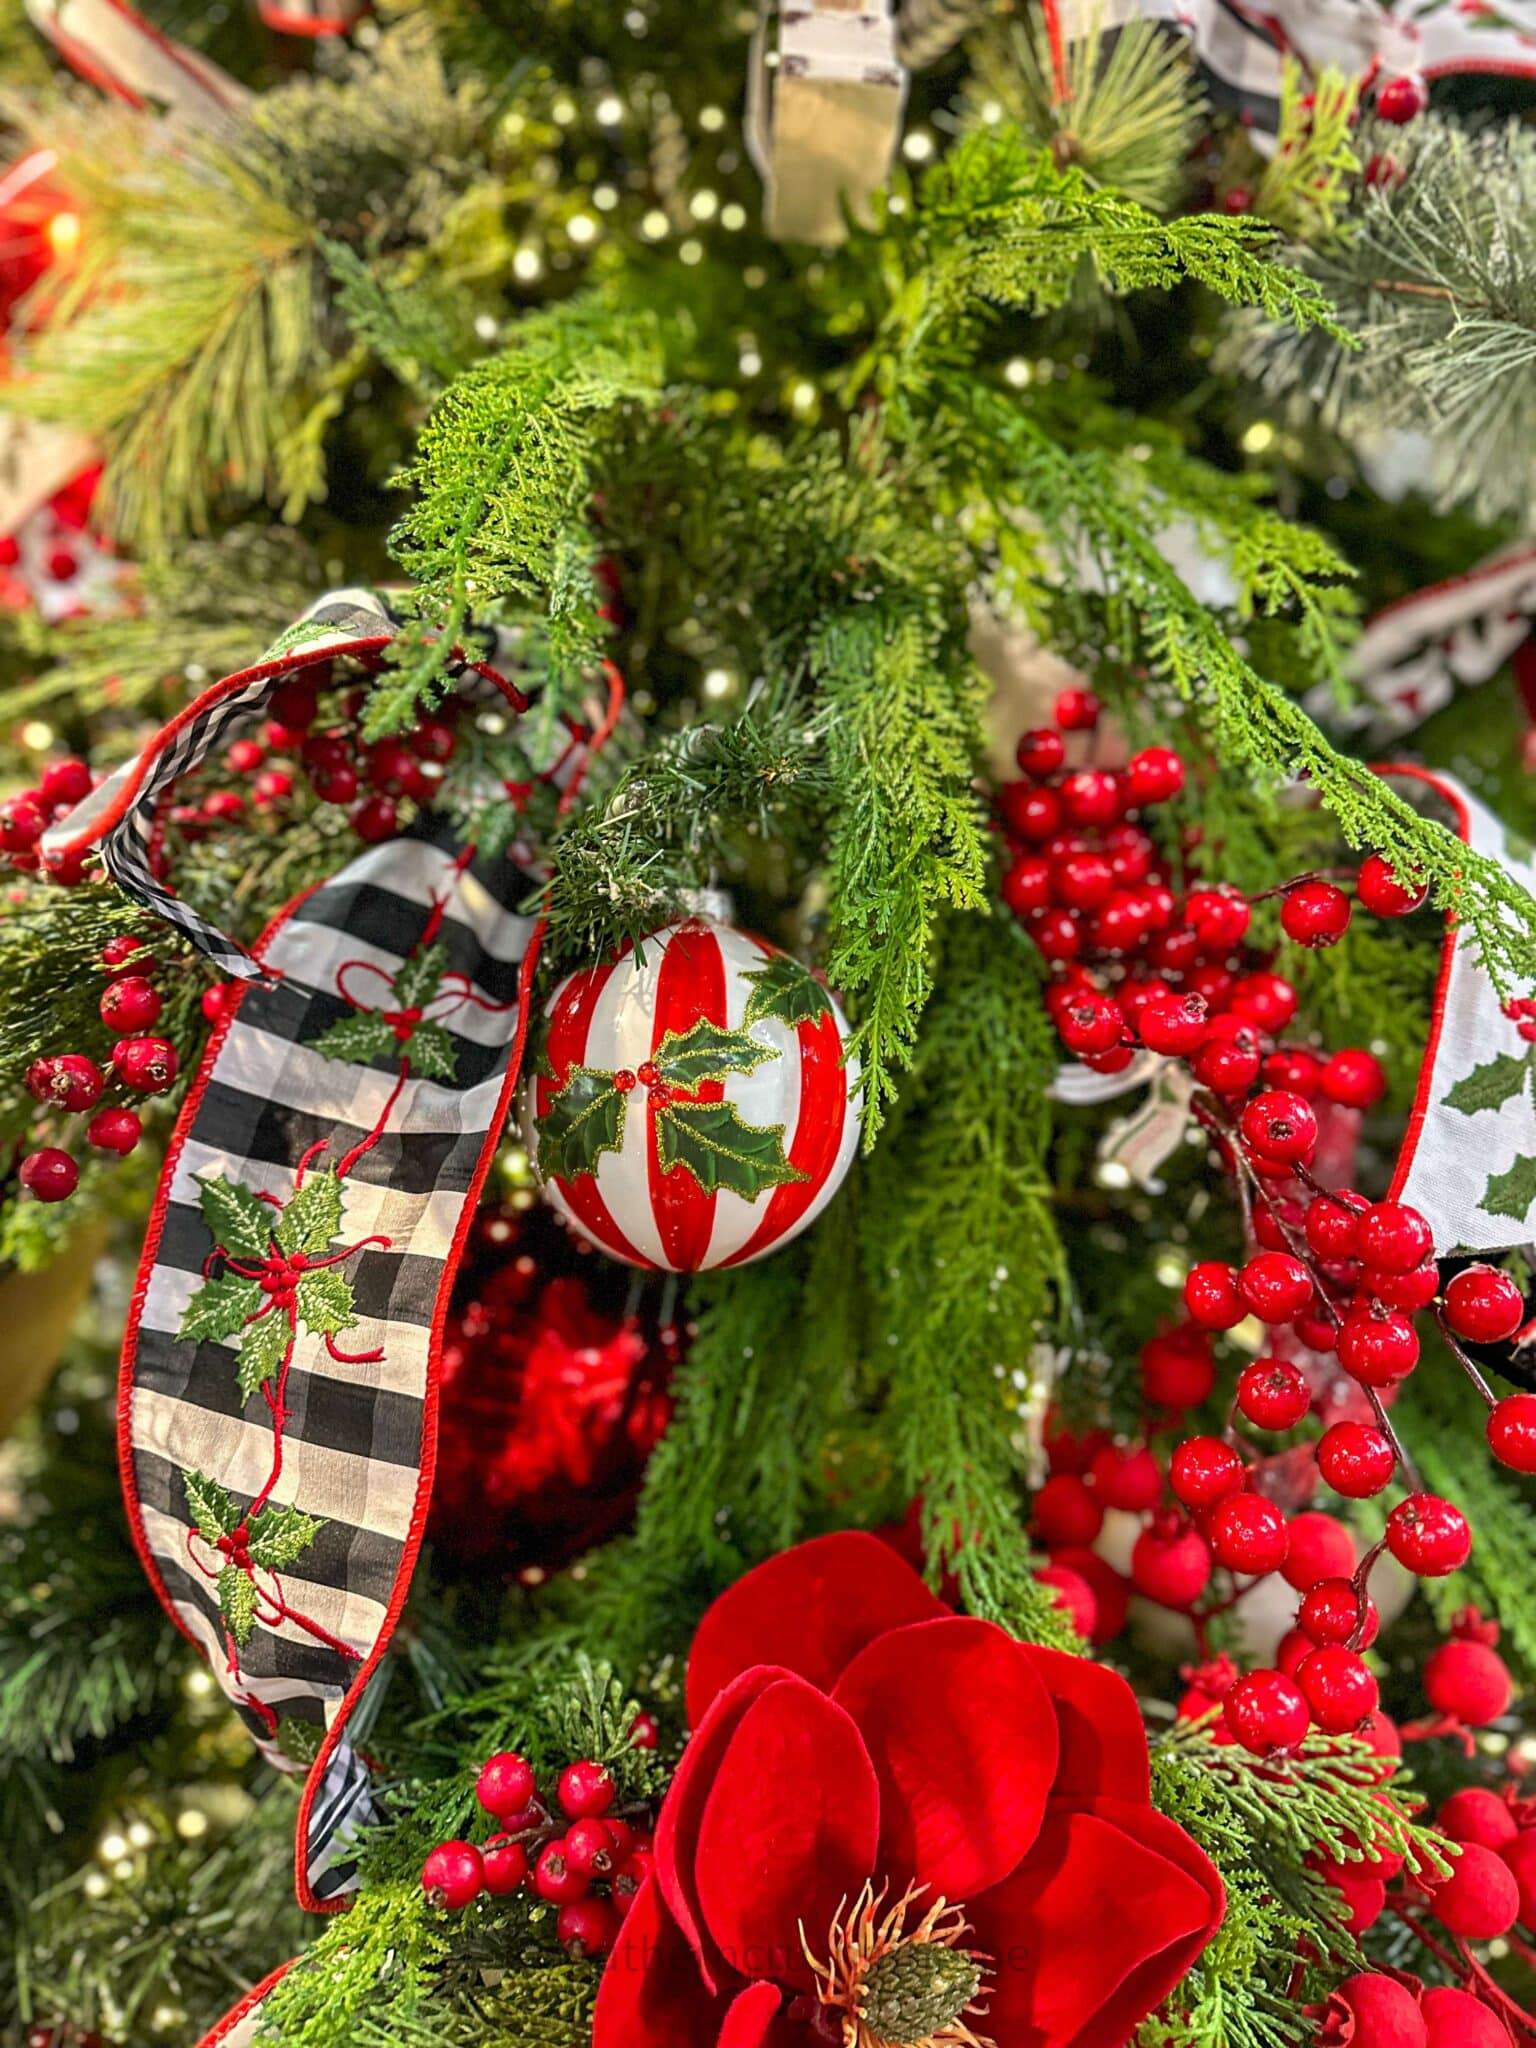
(707, 1052)
(785, 991)
(312, 1217)
(237, 1602)
(585, 1120)
(240, 1221)
(212, 1509)
(324, 1302)
(262, 1350)
(432, 1053)
(713, 1142)
(1493, 1084)
(361, 1039)
(280, 1536)
(419, 978)
(221, 1307)
(1512, 1193)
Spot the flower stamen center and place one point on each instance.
(899, 1980)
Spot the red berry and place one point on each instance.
(63, 784)
(1280, 1126)
(1077, 710)
(1295, 1068)
(1354, 1078)
(222, 805)
(127, 946)
(1320, 1548)
(1177, 1369)
(1265, 999)
(1377, 1346)
(1030, 812)
(1512, 1432)
(1071, 1592)
(1211, 1296)
(130, 1003)
(1314, 914)
(245, 756)
(1091, 1023)
(1154, 776)
(49, 1175)
(1083, 881)
(505, 1863)
(1175, 1025)
(1220, 916)
(1381, 892)
(587, 1928)
(637, 1868)
(1058, 935)
(1381, 2013)
(1330, 1613)
(1428, 1536)
(1362, 1897)
(643, 1734)
(338, 786)
(1247, 1534)
(1171, 1563)
(1205, 1469)
(1356, 1459)
(1040, 752)
(1480, 1900)
(1454, 2018)
(1400, 100)
(1484, 1305)
(375, 819)
(1272, 1394)
(1127, 1477)
(1339, 1688)
(1473, 1814)
(216, 1002)
(554, 1877)
(589, 1848)
(1092, 796)
(272, 786)
(586, 1790)
(433, 739)
(114, 1130)
(73, 1082)
(1028, 885)
(146, 1065)
(1394, 1238)
(1065, 1511)
(1275, 1286)
(453, 1875)
(1332, 1225)
(22, 823)
(1228, 1063)
(1467, 1682)
(1266, 1712)
(506, 1786)
(1407, 1291)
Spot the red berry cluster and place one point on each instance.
(585, 1858)
(71, 1083)
(25, 817)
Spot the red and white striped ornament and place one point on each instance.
(691, 1106)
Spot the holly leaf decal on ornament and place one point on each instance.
(262, 1350)
(324, 1302)
(360, 1039)
(431, 1053)
(707, 1052)
(785, 991)
(213, 1512)
(237, 1602)
(584, 1120)
(280, 1536)
(1513, 1192)
(1493, 1084)
(312, 1217)
(219, 1308)
(713, 1142)
(240, 1221)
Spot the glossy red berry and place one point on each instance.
(1295, 1068)
(123, 948)
(216, 1002)
(1077, 710)
(1247, 1534)
(245, 756)
(64, 784)
(1174, 1025)
(1266, 1712)
(340, 785)
(1380, 891)
(1330, 1612)
(1354, 1078)
(1221, 918)
(130, 1003)
(1377, 1346)
(589, 1848)
(1171, 1563)
(72, 1082)
(1205, 1469)
(1339, 1688)
(1400, 100)
(1154, 776)
(1428, 1536)
(1083, 881)
(1480, 1900)
(1275, 1286)
(1030, 812)
(375, 819)
(1320, 1548)
(1227, 1063)
(1177, 1369)
(1211, 1296)
(1127, 1477)
(49, 1175)
(114, 1130)
(146, 1065)
(1092, 1023)
(23, 822)
(1512, 1432)
(1028, 885)
(1058, 935)
(506, 1786)
(1040, 752)
(586, 1790)
(1408, 1291)
(1332, 1223)
(1394, 1238)
(452, 1875)
(1280, 1126)
(1356, 1459)
(1315, 914)
(434, 739)
(1065, 1510)
(1483, 1305)
(505, 1865)
(1272, 1394)
(1092, 796)
(644, 1733)
(587, 1928)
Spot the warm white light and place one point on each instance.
(191, 1825)
(719, 682)
(1017, 372)
(654, 225)
(527, 265)
(605, 198)
(704, 205)
(1259, 436)
(750, 362)
(112, 1848)
(733, 217)
(690, 252)
(610, 109)
(581, 228)
(918, 146)
(711, 119)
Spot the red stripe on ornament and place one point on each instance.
(690, 986)
(565, 1046)
(818, 1133)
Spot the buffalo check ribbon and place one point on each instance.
(277, 1419)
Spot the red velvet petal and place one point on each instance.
(677, 1825)
(789, 1831)
(963, 1737)
(1103, 1740)
(651, 1995)
(753, 2020)
(810, 1609)
(1095, 1928)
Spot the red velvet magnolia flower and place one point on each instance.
(897, 1827)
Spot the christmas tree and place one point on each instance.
(767, 1025)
